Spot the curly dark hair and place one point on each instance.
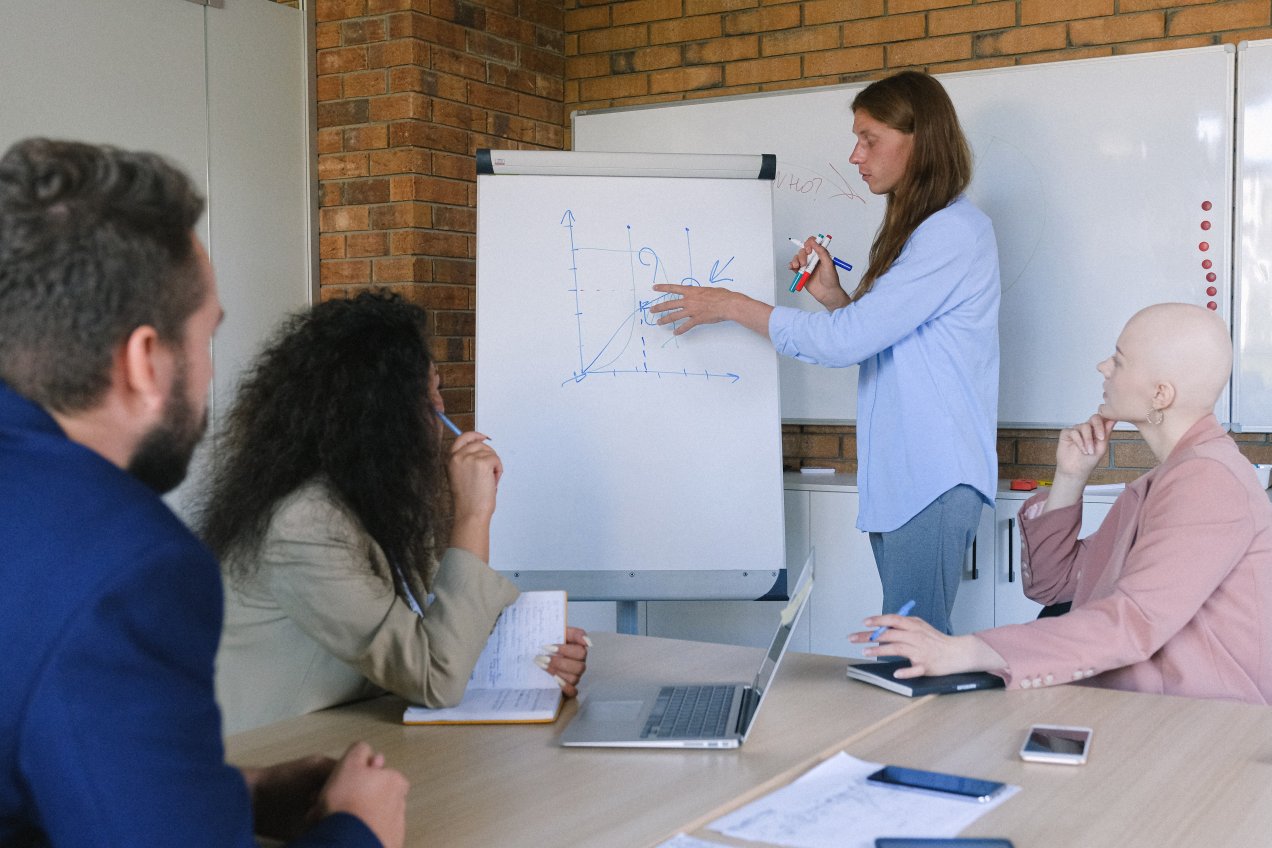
(341, 394)
(94, 243)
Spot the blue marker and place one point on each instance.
(839, 263)
(905, 610)
(450, 425)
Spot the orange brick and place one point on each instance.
(1022, 40)
(340, 60)
(895, 6)
(395, 107)
(762, 20)
(612, 87)
(397, 269)
(1142, 5)
(973, 19)
(334, 166)
(510, 28)
(832, 11)
(364, 83)
(884, 30)
(364, 191)
(344, 271)
(587, 18)
(715, 7)
(540, 109)
(403, 51)
(330, 140)
(326, 35)
(330, 87)
(1173, 43)
(594, 65)
(762, 70)
(802, 40)
(686, 79)
(1218, 17)
(915, 53)
(379, 7)
(331, 247)
(1120, 28)
(490, 97)
(371, 137)
(849, 61)
(397, 216)
(486, 46)
(644, 11)
(457, 64)
(614, 38)
(362, 31)
(645, 59)
(367, 244)
(722, 50)
(339, 10)
(460, 218)
(1049, 11)
(343, 219)
(408, 161)
(329, 194)
(459, 115)
(685, 29)
(343, 113)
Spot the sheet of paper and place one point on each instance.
(832, 806)
(683, 840)
(535, 619)
(494, 705)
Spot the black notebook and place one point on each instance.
(881, 674)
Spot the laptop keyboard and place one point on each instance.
(689, 712)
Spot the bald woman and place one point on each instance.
(1173, 594)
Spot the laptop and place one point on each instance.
(708, 715)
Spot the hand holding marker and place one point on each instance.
(802, 276)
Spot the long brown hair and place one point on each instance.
(940, 165)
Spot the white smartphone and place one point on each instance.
(1051, 743)
(949, 785)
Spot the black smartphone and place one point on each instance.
(953, 842)
(953, 785)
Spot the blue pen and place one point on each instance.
(450, 425)
(905, 610)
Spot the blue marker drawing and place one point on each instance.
(635, 345)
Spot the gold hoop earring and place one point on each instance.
(1161, 416)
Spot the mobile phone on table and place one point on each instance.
(949, 785)
(1054, 743)
(950, 842)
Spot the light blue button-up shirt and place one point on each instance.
(926, 338)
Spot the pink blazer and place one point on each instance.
(1173, 594)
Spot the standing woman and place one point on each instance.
(923, 326)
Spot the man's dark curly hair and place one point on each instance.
(340, 395)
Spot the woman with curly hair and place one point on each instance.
(326, 505)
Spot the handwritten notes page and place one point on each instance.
(832, 805)
(506, 685)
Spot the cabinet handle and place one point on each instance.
(1011, 550)
(975, 574)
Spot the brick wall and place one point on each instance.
(408, 89)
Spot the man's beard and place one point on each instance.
(163, 455)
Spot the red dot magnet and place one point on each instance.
(1211, 291)
(1211, 277)
(1205, 205)
(1206, 263)
(1212, 306)
(1205, 225)
(1204, 246)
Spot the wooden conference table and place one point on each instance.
(1163, 771)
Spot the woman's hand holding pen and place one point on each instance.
(474, 470)
(567, 661)
(929, 651)
(823, 284)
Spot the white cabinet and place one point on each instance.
(823, 514)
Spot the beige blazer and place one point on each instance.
(320, 624)
(1173, 594)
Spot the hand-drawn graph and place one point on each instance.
(617, 334)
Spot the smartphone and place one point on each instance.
(950, 842)
(950, 785)
(1052, 743)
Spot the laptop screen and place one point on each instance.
(789, 618)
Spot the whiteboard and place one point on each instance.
(627, 449)
(1252, 377)
(1093, 171)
